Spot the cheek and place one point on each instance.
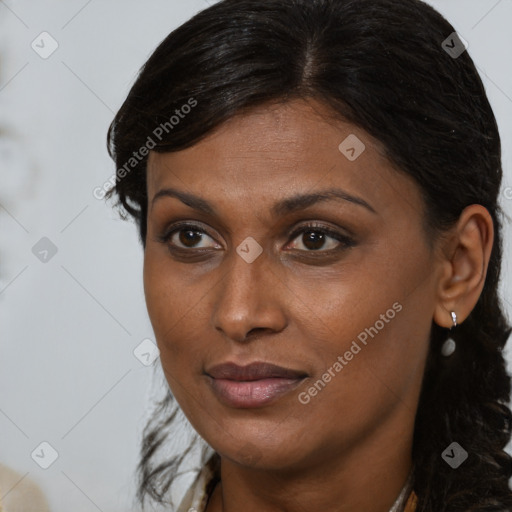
(376, 314)
(365, 368)
(177, 303)
(336, 306)
(173, 313)
(157, 291)
(166, 302)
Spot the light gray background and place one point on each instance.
(68, 327)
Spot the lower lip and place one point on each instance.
(250, 394)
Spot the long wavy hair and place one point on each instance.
(383, 66)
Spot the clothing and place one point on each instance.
(412, 502)
(196, 497)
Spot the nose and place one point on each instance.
(250, 300)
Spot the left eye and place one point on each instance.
(315, 239)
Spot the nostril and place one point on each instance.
(254, 333)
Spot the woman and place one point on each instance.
(316, 187)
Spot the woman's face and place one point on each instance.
(301, 249)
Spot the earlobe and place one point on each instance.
(466, 259)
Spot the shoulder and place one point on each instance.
(19, 492)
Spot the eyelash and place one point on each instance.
(345, 241)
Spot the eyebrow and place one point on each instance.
(282, 207)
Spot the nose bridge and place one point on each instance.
(246, 300)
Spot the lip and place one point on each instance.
(253, 385)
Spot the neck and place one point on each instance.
(367, 477)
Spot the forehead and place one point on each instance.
(275, 149)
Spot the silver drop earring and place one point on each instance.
(449, 345)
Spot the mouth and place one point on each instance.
(254, 385)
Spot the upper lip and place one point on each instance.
(253, 371)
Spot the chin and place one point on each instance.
(258, 448)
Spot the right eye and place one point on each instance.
(187, 236)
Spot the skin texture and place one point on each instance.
(349, 448)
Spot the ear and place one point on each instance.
(464, 263)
